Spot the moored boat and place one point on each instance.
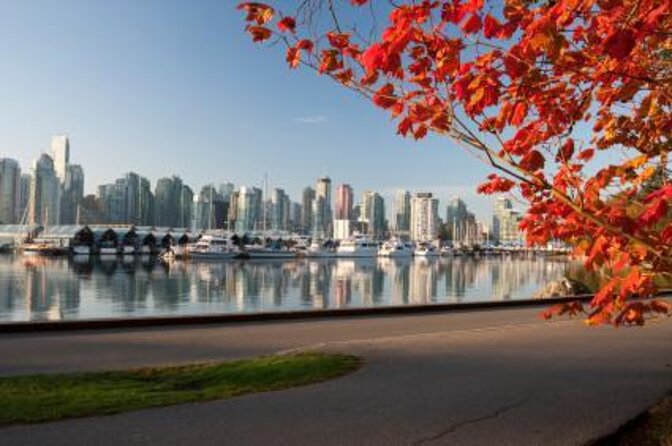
(211, 248)
(357, 246)
(426, 250)
(395, 248)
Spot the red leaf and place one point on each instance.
(519, 114)
(491, 27)
(472, 25)
(287, 24)
(653, 212)
(374, 57)
(259, 33)
(293, 57)
(533, 161)
(305, 44)
(566, 151)
(619, 43)
(586, 155)
(385, 97)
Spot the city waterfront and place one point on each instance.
(39, 288)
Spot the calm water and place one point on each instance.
(34, 288)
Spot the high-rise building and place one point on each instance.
(226, 190)
(173, 203)
(344, 198)
(210, 210)
(279, 210)
(72, 193)
(307, 199)
(319, 205)
(129, 200)
(60, 153)
(295, 211)
(323, 190)
(342, 227)
(24, 196)
(373, 213)
(461, 223)
(10, 191)
(249, 209)
(424, 217)
(45, 193)
(232, 216)
(505, 222)
(402, 211)
(145, 203)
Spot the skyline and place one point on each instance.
(184, 92)
(388, 195)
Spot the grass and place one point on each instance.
(40, 398)
(654, 428)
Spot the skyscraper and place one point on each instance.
(10, 191)
(186, 209)
(279, 210)
(211, 209)
(344, 198)
(45, 193)
(318, 207)
(248, 212)
(60, 153)
(373, 213)
(424, 217)
(72, 193)
(323, 190)
(307, 199)
(402, 211)
(172, 204)
(24, 196)
(342, 227)
(505, 222)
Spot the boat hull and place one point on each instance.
(356, 254)
(213, 255)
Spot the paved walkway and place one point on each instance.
(471, 378)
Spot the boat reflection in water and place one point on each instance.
(36, 288)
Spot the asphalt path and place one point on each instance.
(501, 377)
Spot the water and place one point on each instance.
(35, 289)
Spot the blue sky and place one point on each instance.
(175, 87)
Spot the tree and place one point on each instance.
(568, 100)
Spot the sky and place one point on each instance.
(176, 87)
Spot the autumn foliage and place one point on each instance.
(568, 100)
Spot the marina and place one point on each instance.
(37, 288)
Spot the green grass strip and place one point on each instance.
(39, 398)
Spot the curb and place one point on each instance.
(159, 321)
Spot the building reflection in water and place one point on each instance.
(34, 288)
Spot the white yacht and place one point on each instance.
(319, 249)
(212, 248)
(395, 248)
(426, 250)
(357, 246)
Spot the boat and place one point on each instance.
(426, 250)
(318, 249)
(43, 248)
(270, 251)
(128, 250)
(395, 248)
(357, 246)
(209, 247)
